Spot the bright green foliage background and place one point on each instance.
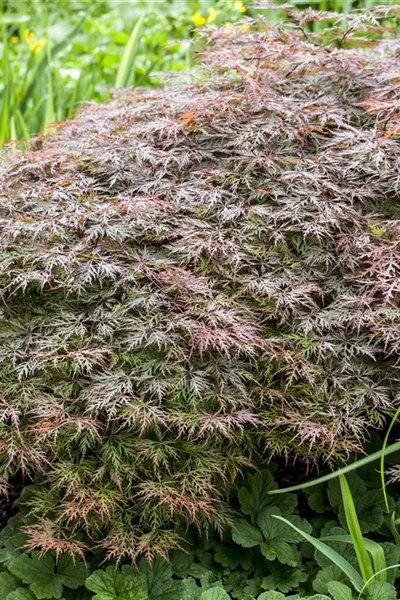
(85, 43)
(57, 54)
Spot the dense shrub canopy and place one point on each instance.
(195, 277)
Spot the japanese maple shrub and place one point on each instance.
(198, 276)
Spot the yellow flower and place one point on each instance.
(37, 45)
(34, 45)
(29, 36)
(239, 6)
(245, 28)
(212, 14)
(14, 39)
(198, 20)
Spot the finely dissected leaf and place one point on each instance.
(338, 560)
(197, 276)
(112, 584)
(214, 593)
(246, 535)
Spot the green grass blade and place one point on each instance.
(382, 462)
(49, 113)
(376, 551)
(375, 575)
(334, 556)
(6, 112)
(22, 126)
(347, 469)
(353, 525)
(44, 61)
(129, 55)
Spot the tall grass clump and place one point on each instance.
(56, 56)
(197, 277)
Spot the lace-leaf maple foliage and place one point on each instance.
(196, 277)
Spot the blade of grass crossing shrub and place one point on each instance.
(5, 107)
(50, 113)
(391, 449)
(334, 556)
(382, 462)
(44, 61)
(129, 55)
(22, 126)
(355, 529)
(374, 576)
(376, 551)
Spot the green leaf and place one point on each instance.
(283, 578)
(8, 583)
(232, 557)
(271, 595)
(340, 591)
(215, 593)
(282, 551)
(353, 526)
(284, 530)
(7, 555)
(45, 578)
(378, 590)
(255, 497)
(21, 594)
(56, 49)
(376, 550)
(158, 580)
(129, 55)
(10, 536)
(382, 460)
(246, 535)
(112, 584)
(331, 535)
(338, 560)
(327, 575)
(370, 505)
(317, 502)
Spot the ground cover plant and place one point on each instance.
(197, 279)
(260, 556)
